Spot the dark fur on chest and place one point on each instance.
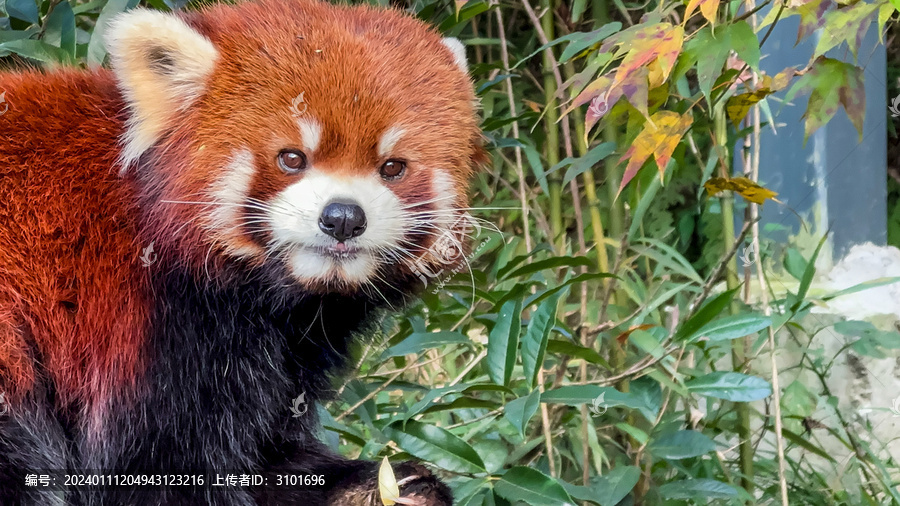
(226, 363)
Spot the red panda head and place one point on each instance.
(334, 142)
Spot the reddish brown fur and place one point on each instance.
(70, 279)
(71, 282)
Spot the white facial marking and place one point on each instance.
(389, 140)
(311, 133)
(444, 189)
(294, 220)
(229, 195)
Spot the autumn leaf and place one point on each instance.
(747, 188)
(648, 55)
(848, 25)
(602, 96)
(831, 83)
(621, 338)
(707, 7)
(659, 138)
(739, 105)
(812, 16)
(642, 44)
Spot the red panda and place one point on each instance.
(192, 238)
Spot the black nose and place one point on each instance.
(342, 221)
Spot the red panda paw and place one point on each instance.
(421, 488)
(418, 487)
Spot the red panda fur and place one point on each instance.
(78, 307)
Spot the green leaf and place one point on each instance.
(554, 42)
(641, 436)
(436, 446)
(534, 343)
(96, 51)
(430, 397)
(576, 395)
(8, 35)
(732, 327)
(794, 264)
(583, 40)
(503, 342)
(697, 488)
(581, 278)
(611, 488)
(561, 347)
(670, 258)
(704, 315)
(421, 341)
(849, 24)
(26, 10)
(470, 10)
(59, 29)
(36, 50)
(588, 161)
(806, 445)
(550, 263)
(520, 411)
(683, 444)
(831, 83)
(731, 386)
(865, 285)
(745, 43)
(601, 397)
(710, 50)
(809, 273)
(533, 487)
(487, 85)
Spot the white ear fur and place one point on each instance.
(161, 65)
(459, 52)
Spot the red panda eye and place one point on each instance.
(393, 169)
(291, 161)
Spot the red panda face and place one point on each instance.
(334, 141)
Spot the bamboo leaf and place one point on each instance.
(503, 342)
(533, 487)
(731, 386)
(534, 343)
(436, 446)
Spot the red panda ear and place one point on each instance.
(161, 65)
(459, 52)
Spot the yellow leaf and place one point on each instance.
(707, 7)
(659, 138)
(661, 41)
(747, 188)
(656, 76)
(738, 106)
(387, 484)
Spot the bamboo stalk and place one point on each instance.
(738, 346)
(751, 170)
(520, 172)
(554, 181)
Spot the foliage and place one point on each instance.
(597, 349)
